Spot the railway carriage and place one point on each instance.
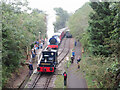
(62, 35)
(68, 35)
(48, 61)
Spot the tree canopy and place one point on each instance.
(62, 17)
(97, 26)
(19, 30)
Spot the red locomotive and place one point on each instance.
(48, 61)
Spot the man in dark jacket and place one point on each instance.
(72, 59)
(75, 43)
(78, 60)
(30, 68)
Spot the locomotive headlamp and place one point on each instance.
(52, 53)
(45, 60)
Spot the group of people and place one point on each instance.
(78, 59)
(34, 47)
(38, 44)
(72, 60)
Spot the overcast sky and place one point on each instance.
(47, 5)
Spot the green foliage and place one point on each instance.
(100, 71)
(78, 22)
(59, 81)
(19, 30)
(85, 41)
(102, 28)
(115, 33)
(98, 30)
(62, 17)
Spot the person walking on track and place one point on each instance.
(65, 78)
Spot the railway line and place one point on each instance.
(62, 46)
(64, 52)
(39, 80)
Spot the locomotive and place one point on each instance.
(48, 61)
(54, 42)
(68, 35)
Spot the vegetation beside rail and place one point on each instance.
(97, 26)
(19, 30)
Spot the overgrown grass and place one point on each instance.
(59, 82)
(99, 71)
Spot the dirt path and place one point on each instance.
(75, 77)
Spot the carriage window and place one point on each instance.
(46, 55)
(42, 59)
(50, 58)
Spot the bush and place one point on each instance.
(100, 71)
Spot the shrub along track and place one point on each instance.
(43, 80)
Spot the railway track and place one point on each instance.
(22, 85)
(36, 80)
(62, 46)
(64, 52)
(43, 80)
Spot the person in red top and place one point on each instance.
(65, 78)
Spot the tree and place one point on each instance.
(19, 30)
(62, 17)
(78, 22)
(100, 26)
(115, 33)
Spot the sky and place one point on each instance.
(47, 5)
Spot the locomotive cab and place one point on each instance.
(48, 61)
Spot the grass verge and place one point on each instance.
(59, 81)
(100, 71)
